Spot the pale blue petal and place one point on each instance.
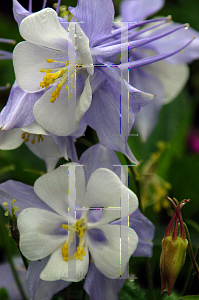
(18, 111)
(66, 146)
(19, 12)
(176, 40)
(98, 156)
(24, 195)
(8, 282)
(139, 10)
(145, 231)
(96, 16)
(100, 287)
(40, 289)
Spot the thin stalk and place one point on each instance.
(149, 278)
(191, 251)
(9, 257)
(147, 260)
(24, 259)
(84, 294)
(138, 187)
(190, 276)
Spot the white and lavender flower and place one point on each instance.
(164, 78)
(94, 158)
(98, 95)
(53, 232)
(103, 113)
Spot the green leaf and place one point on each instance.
(4, 294)
(131, 291)
(192, 297)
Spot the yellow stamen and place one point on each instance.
(79, 229)
(49, 60)
(58, 74)
(23, 135)
(72, 75)
(40, 137)
(14, 209)
(26, 137)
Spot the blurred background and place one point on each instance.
(172, 151)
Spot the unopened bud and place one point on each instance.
(171, 261)
(174, 246)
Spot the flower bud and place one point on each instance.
(171, 261)
(174, 246)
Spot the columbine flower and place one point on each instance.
(54, 232)
(166, 78)
(173, 249)
(106, 82)
(95, 157)
(51, 57)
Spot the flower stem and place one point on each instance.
(24, 259)
(137, 183)
(9, 257)
(147, 260)
(191, 251)
(190, 276)
(149, 278)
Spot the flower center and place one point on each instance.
(62, 74)
(77, 228)
(26, 137)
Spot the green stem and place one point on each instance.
(84, 295)
(136, 178)
(24, 259)
(137, 183)
(9, 257)
(191, 251)
(149, 278)
(147, 260)
(85, 142)
(190, 276)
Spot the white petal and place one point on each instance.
(105, 189)
(57, 268)
(43, 28)
(10, 139)
(44, 149)
(58, 117)
(39, 234)
(34, 128)
(106, 255)
(84, 102)
(172, 76)
(53, 188)
(28, 60)
(81, 41)
(50, 163)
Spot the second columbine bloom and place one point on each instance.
(78, 222)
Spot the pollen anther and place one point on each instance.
(78, 228)
(49, 60)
